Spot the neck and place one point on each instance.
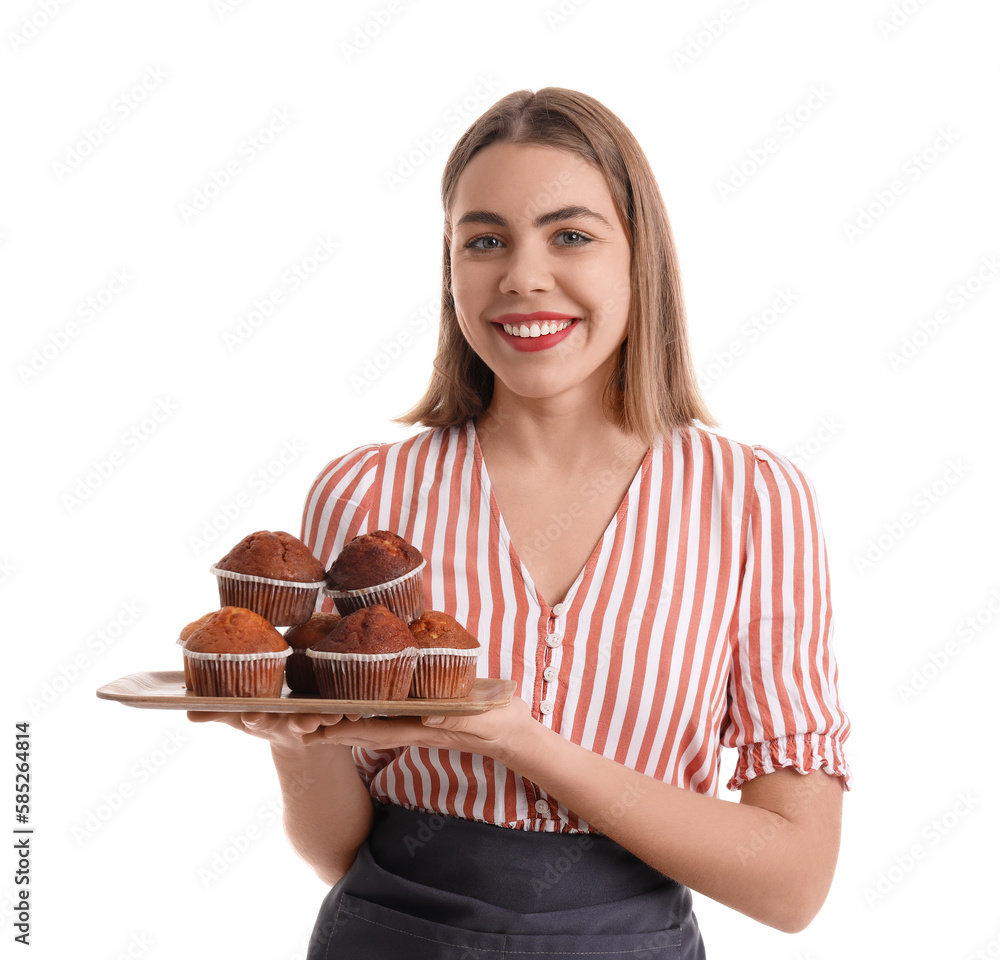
(567, 432)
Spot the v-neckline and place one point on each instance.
(612, 528)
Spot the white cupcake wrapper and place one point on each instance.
(283, 603)
(235, 674)
(360, 657)
(299, 672)
(444, 673)
(364, 676)
(249, 578)
(362, 591)
(239, 657)
(404, 596)
(451, 651)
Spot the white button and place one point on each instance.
(550, 673)
(559, 609)
(554, 639)
(545, 706)
(542, 806)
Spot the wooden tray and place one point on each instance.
(165, 690)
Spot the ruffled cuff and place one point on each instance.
(803, 752)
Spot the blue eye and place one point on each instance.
(574, 238)
(486, 242)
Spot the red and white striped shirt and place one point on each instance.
(701, 620)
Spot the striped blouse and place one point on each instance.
(702, 619)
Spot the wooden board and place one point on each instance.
(165, 690)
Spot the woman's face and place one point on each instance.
(540, 269)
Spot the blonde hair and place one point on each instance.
(654, 388)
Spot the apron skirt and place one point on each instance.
(429, 887)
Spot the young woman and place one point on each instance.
(657, 592)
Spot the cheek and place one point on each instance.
(615, 301)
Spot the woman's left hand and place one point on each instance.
(501, 734)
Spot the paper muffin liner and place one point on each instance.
(443, 673)
(364, 676)
(188, 682)
(404, 596)
(283, 603)
(236, 674)
(299, 673)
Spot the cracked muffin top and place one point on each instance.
(373, 629)
(234, 630)
(371, 559)
(277, 555)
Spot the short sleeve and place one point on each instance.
(338, 504)
(784, 706)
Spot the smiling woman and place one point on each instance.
(596, 156)
(656, 591)
(559, 280)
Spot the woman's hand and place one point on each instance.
(281, 729)
(503, 734)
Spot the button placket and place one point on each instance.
(551, 657)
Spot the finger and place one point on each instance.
(317, 736)
(302, 723)
(204, 716)
(445, 722)
(257, 721)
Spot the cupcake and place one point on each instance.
(299, 673)
(379, 567)
(446, 665)
(273, 574)
(369, 655)
(235, 653)
(182, 639)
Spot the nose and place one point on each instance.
(528, 271)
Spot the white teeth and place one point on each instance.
(534, 330)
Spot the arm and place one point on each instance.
(327, 807)
(770, 857)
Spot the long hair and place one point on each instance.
(654, 387)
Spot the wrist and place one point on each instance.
(293, 752)
(522, 747)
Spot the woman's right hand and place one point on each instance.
(281, 729)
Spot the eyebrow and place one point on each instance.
(563, 213)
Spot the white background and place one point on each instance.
(903, 450)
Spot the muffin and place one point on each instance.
(235, 653)
(379, 567)
(273, 574)
(446, 665)
(369, 655)
(182, 639)
(299, 673)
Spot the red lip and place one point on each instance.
(534, 344)
(537, 317)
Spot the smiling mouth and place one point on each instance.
(536, 329)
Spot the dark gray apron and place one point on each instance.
(429, 887)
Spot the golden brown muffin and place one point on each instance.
(371, 559)
(368, 630)
(194, 625)
(436, 629)
(299, 672)
(182, 639)
(235, 630)
(312, 631)
(277, 555)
